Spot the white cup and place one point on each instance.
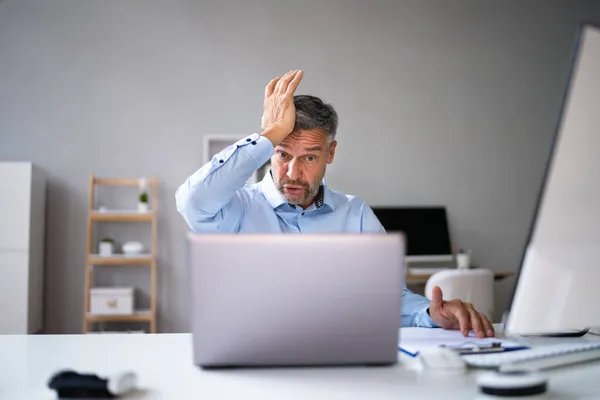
(463, 260)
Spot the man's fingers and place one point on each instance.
(271, 87)
(464, 321)
(477, 323)
(437, 297)
(281, 81)
(295, 82)
(282, 85)
(488, 326)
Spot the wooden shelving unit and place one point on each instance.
(142, 260)
(139, 316)
(116, 216)
(148, 260)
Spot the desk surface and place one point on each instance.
(165, 371)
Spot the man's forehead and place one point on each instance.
(305, 139)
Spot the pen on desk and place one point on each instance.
(491, 348)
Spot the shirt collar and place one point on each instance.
(276, 199)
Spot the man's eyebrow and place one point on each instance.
(314, 148)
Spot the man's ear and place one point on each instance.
(331, 152)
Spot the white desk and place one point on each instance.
(165, 371)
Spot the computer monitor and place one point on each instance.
(425, 229)
(558, 287)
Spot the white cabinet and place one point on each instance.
(22, 226)
(13, 292)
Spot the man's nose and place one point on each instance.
(293, 171)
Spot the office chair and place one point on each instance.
(475, 286)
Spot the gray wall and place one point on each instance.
(440, 102)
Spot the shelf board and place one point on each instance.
(122, 216)
(120, 259)
(122, 182)
(137, 316)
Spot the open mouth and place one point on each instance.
(293, 190)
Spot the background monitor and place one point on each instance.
(558, 287)
(425, 230)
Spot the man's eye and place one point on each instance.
(311, 158)
(282, 154)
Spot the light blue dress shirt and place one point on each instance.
(217, 199)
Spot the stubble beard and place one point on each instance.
(309, 192)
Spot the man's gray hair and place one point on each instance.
(313, 113)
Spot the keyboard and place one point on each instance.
(537, 358)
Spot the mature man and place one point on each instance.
(298, 136)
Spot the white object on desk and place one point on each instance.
(122, 383)
(540, 358)
(22, 236)
(111, 301)
(475, 286)
(463, 260)
(438, 358)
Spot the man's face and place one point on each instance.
(299, 165)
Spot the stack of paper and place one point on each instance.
(412, 340)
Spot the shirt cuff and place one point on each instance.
(423, 319)
(258, 147)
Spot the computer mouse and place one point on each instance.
(440, 358)
(72, 384)
(512, 384)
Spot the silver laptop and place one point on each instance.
(295, 300)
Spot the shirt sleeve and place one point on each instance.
(414, 310)
(414, 306)
(211, 199)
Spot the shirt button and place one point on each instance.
(253, 142)
(247, 140)
(302, 213)
(221, 161)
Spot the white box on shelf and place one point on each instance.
(111, 301)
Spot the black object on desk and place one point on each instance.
(70, 384)
(512, 384)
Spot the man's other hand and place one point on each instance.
(279, 113)
(455, 314)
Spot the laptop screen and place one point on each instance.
(425, 228)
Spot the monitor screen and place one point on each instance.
(560, 270)
(425, 228)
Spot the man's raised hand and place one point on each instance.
(279, 113)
